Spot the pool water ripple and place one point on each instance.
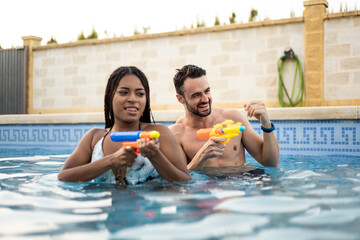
(305, 198)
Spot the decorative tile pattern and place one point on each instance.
(316, 136)
(305, 137)
(43, 135)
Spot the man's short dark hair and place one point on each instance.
(187, 71)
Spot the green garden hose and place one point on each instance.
(292, 100)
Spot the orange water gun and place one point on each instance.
(129, 137)
(228, 131)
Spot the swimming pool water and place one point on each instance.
(306, 197)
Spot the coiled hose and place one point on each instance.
(292, 101)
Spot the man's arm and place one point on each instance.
(265, 150)
(212, 148)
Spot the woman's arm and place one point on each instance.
(78, 168)
(165, 155)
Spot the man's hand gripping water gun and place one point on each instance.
(129, 138)
(229, 131)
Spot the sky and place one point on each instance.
(65, 20)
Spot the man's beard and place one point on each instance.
(196, 112)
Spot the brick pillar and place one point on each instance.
(314, 15)
(30, 42)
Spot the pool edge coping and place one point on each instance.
(298, 113)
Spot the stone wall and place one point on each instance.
(342, 58)
(240, 59)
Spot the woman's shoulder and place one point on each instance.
(157, 127)
(95, 134)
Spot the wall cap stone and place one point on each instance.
(228, 27)
(297, 113)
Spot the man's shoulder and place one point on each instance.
(177, 127)
(229, 113)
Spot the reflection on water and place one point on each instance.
(306, 198)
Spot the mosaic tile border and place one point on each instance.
(305, 137)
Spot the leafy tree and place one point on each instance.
(217, 21)
(136, 32)
(232, 19)
(146, 30)
(292, 14)
(200, 24)
(93, 35)
(81, 36)
(1, 47)
(52, 40)
(253, 14)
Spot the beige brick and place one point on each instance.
(231, 46)
(314, 38)
(220, 36)
(100, 90)
(350, 63)
(340, 50)
(48, 82)
(272, 94)
(356, 21)
(337, 78)
(314, 78)
(71, 91)
(314, 65)
(79, 81)
(220, 59)
(103, 48)
(48, 102)
(271, 69)
(266, 31)
(80, 59)
(70, 71)
(103, 68)
(38, 73)
(113, 57)
(177, 63)
(173, 41)
(141, 64)
(219, 84)
(313, 92)
(266, 56)
(314, 51)
(314, 25)
(356, 79)
(313, 102)
(341, 92)
(139, 44)
(331, 37)
(40, 92)
(149, 53)
(230, 71)
(314, 12)
(266, 81)
(188, 49)
(71, 51)
(48, 62)
(78, 101)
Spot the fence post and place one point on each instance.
(30, 42)
(314, 14)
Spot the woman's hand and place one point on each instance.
(148, 148)
(124, 157)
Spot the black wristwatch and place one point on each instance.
(268, 130)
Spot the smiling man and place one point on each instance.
(193, 91)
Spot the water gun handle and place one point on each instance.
(131, 144)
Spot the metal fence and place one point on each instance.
(13, 80)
